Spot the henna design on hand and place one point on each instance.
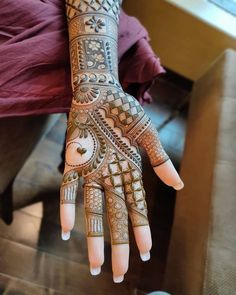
(69, 187)
(105, 125)
(150, 141)
(94, 209)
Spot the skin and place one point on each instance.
(106, 128)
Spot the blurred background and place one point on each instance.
(193, 231)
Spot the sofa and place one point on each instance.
(202, 252)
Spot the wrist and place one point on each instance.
(93, 55)
(98, 79)
(88, 95)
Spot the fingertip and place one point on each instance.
(118, 279)
(168, 174)
(95, 270)
(179, 186)
(95, 252)
(67, 217)
(143, 240)
(145, 256)
(120, 260)
(65, 235)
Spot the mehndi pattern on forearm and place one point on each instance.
(93, 40)
(81, 25)
(93, 55)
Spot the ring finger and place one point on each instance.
(137, 208)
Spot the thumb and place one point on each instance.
(160, 161)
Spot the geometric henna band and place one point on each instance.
(93, 201)
(69, 188)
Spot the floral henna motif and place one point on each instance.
(95, 23)
(86, 94)
(105, 125)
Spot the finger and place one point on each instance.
(120, 261)
(117, 216)
(160, 161)
(68, 193)
(118, 224)
(94, 225)
(137, 208)
(169, 175)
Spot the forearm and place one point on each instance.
(93, 34)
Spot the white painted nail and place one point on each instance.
(118, 279)
(145, 256)
(179, 185)
(158, 293)
(65, 235)
(95, 270)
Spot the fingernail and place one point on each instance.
(65, 235)
(160, 293)
(118, 279)
(178, 186)
(95, 270)
(145, 256)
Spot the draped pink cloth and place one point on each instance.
(34, 58)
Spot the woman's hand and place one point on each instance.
(106, 126)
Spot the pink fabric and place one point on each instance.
(34, 58)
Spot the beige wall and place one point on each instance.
(184, 43)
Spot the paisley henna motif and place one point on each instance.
(105, 125)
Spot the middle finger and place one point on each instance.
(118, 223)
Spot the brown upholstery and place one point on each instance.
(202, 253)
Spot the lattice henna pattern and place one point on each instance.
(110, 7)
(149, 140)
